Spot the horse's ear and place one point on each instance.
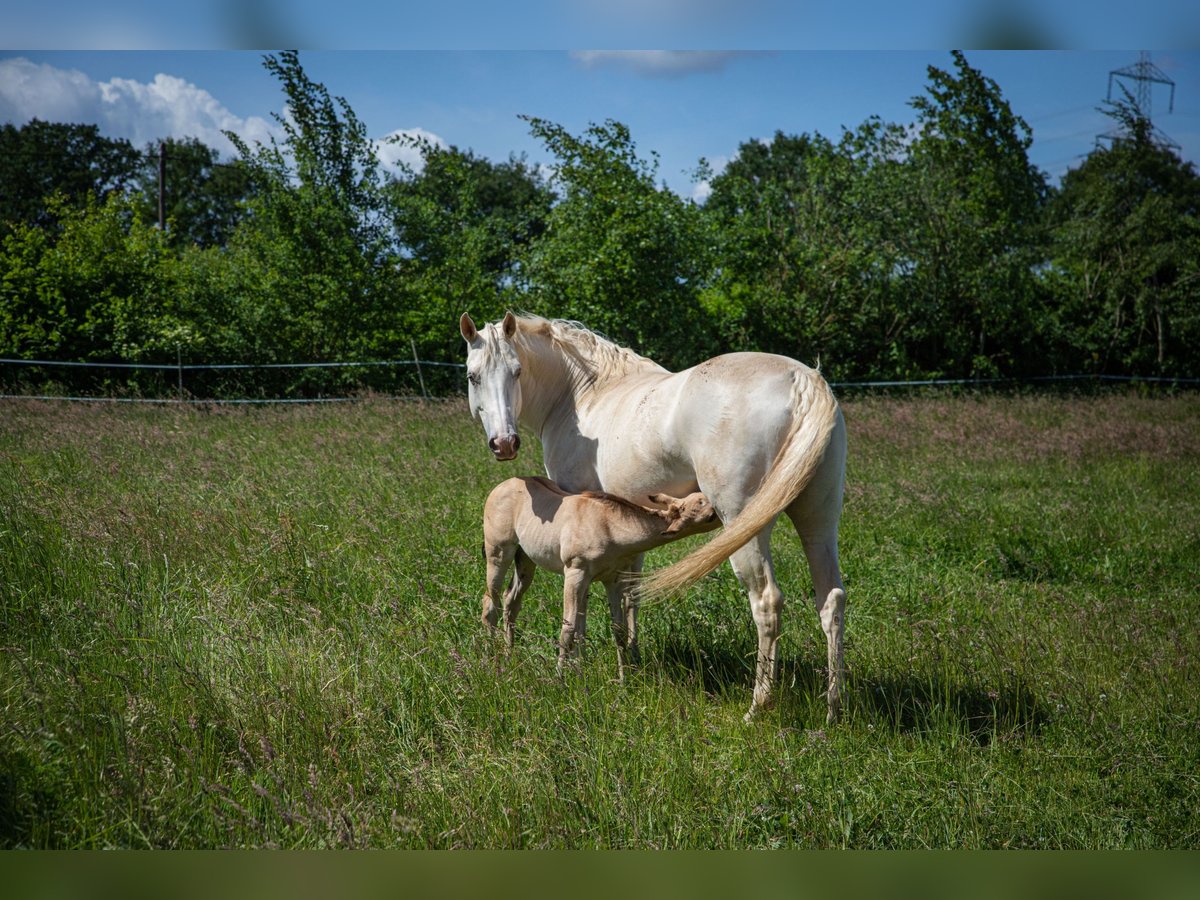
(509, 325)
(467, 327)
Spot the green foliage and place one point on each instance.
(891, 252)
(620, 254)
(971, 204)
(1126, 256)
(204, 197)
(41, 160)
(316, 229)
(921, 250)
(806, 258)
(97, 290)
(463, 223)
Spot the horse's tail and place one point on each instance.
(815, 414)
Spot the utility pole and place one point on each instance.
(162, 185)
(1144, 74)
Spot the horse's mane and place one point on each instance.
(596, 357)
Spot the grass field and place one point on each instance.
(261, 628)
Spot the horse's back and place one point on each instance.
(738, 409)
(717, 426)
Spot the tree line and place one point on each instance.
(895, 250)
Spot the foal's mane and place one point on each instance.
(596, 358)
(622, 502)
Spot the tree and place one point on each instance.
(970, 206)
(463, 222)
(1126, 256)
(93, 291)
(803, 266)
(41, 159)
(204, 196)
(318, 230)
(619, 254)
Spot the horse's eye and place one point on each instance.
(517, 372)
(473, 377)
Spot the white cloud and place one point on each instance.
(122, 108)
(401, 148)
(660, 62)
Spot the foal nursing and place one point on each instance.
(587, 537)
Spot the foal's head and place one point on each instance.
(687, 516)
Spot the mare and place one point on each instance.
(759, 434)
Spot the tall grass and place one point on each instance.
(261, 628)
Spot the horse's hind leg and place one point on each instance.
(521, 580)
(821, 549)
(753, 566)
(831, 608)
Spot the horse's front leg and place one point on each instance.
(574, 624)
(753, 566)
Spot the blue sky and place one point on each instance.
(682, 106)
(557, 24)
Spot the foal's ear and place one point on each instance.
(467, 328)
(509, 324)
(662, 499)
(676, 523)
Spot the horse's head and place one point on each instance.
(493, 382)
(692, 514)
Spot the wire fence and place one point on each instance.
(184, 383)
(224, 383)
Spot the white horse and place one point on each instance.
(759, 434)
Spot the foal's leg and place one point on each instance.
(574, 626)
(753, 566)
(522, 579)
(619, 589)
(499, 557)
(633, 655)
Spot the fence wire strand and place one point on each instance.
(418, 363)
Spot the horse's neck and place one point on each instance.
(551, 385)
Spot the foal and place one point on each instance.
(587, 537)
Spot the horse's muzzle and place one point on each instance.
(505, 448)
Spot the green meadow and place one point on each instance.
(260, 628)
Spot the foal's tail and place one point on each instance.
(814, 416)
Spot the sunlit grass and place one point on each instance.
(261, 628)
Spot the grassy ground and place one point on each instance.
(260, 628)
